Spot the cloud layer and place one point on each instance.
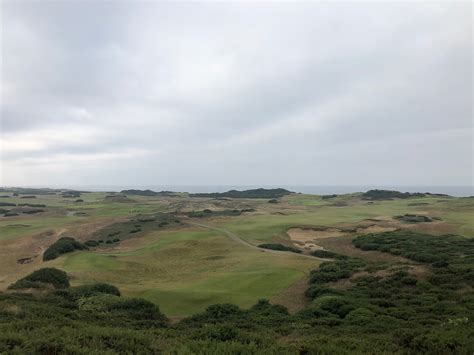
(131, 93)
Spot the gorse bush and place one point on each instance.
(389, 194)
(49, 276)
(252, 193)
(279, 247)
(62, 246)
(96, 288)
(328, 254)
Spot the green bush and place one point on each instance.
(91, 243)
(51, 276)
(360, 316)
(137, 308)
(263, 306)
(218, 332)
(279, 247)
(62, 246)
(315, 291)
(96, 288)
(337, 306)
(222, 310)
(328, 254)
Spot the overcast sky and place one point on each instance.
(148, 93)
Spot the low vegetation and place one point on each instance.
(413, 218)
(253, 193)
(32, 211)
(42, 278)
(31, 205)
(210, 213)
(136, 226)
(327, 254)
(148, 193)
(389, 194)
(61, 246)
(279, 247)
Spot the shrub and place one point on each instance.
(62, 246)
(337, 306)
(263, 306)
(49, 275)
(91, 243)
(222, 311)
(137, 308)
(279, 247)
(315, 291)
(31, 205)
(360, 316)
(97, 288)
(100, 302)
(328, 254)
(253, 193)
(38, 210)
(11, 214)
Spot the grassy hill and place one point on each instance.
(352, 287)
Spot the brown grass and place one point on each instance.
(293, 297)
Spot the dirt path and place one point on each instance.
(237, 239)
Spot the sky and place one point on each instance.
(246, 93)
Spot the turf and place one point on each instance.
(186, 271)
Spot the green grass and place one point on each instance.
(16, 228)
(186, 271)
(239, 287)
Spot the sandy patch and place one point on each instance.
(309, 235)
(309, 238)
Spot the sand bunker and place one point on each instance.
(307, 238)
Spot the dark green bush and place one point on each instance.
(91, 243)
(327, 254)
(62, 246)
(222, 311)
(51, 276)
(279, 247)
(138, 309)
(89, 290)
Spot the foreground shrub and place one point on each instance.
(49, 275)
(138, 309)
(94, 289)
(264, 307)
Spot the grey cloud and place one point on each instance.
(241, 93)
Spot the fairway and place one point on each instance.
(208, 257)
(186, 271)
